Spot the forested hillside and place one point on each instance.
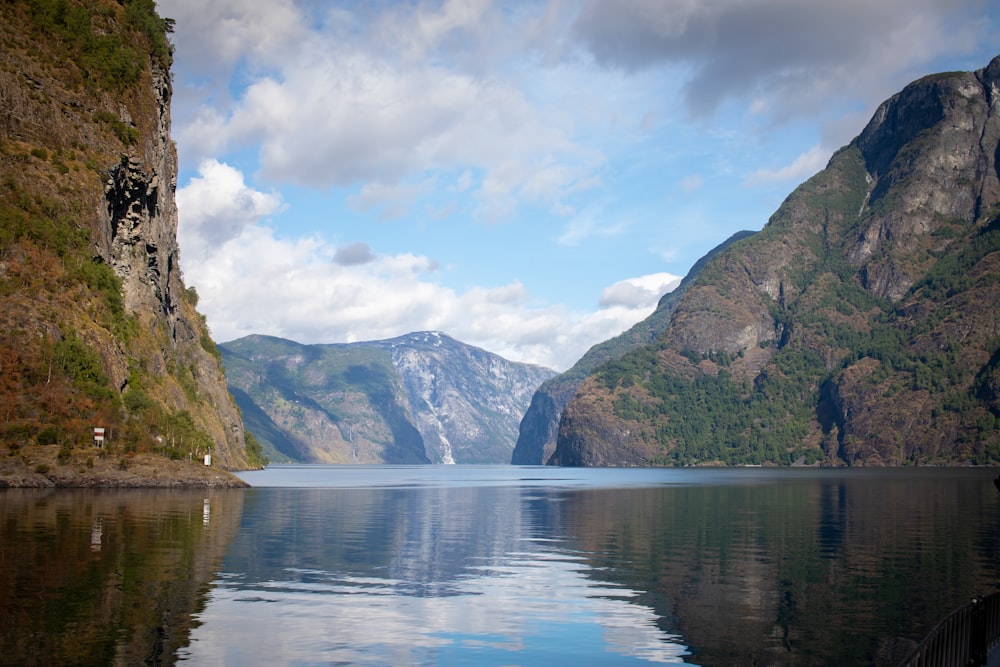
(859, 327)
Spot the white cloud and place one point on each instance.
(455, 26)
(641, 292)
(203, 135)
(216, 206)
(803, 167)
(313, 291)
(340, 118)
(219, 34)
(391, 201)
(327, 104)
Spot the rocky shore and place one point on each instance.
(42, 468)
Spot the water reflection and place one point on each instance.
(106, 577)
(846, 568)
(737, 567)
(416, 576)
(498, 566)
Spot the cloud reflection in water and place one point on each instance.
(529, 607)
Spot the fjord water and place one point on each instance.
(106, 577)
(458, 565)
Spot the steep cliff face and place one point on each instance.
(859, 326)
(98, 327)
(419, 398)
(466, 402)
(539, 429)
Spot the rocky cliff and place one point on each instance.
(537, 433)
(419, 398)
(858, 327)
(98, 328)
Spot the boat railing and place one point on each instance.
(964, 637)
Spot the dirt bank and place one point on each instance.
(41, 467)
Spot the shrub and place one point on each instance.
(255, 452)
(137, 401)
(48, 436)
(82, 365)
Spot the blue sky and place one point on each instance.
(528, 177)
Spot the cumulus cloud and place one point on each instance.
(216, 206)
(220, 34)
(641, 292)
(313, 291)
(327, 104)
(371, 123)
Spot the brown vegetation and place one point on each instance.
(95, 326)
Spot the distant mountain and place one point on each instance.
(420, 398)
(861, 326)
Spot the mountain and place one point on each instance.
(539, 428)
(859, 327)
(97, 328)
(420, 398)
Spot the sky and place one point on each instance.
(527, 177)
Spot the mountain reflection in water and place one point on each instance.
(416, 576)
(506, 565)
(107, 577)
(481, 565)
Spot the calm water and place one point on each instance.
(456, 565)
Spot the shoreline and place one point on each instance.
(40, 468)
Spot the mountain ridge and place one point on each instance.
(539, 428)
(423, 397)
(858, 327)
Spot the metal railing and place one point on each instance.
(962, 638)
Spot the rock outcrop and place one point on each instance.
(420, 398)
(858, 327)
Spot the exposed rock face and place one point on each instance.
(536, 435)
(858, 327)
(466, 402)
(539, 428)
(89, 176)
(138, 230)
(419, 398)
